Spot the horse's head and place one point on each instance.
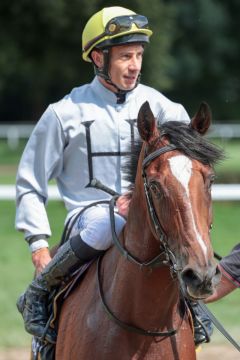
(178, 181)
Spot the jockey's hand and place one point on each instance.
(40, 259)
(123, 204)
(222, 289)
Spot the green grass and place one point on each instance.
(8, 156)
(228, 171)
(225, 234)
(16, 269)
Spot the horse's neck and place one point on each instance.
(143, 296)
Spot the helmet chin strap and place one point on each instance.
(104, 74)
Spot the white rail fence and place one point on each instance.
(14, 132)
(220, 192)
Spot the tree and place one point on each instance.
(193, 55)
(41, 57)
(207, 49)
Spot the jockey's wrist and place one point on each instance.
(37, 245)
(37, 242)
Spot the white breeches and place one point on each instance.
(94, 227)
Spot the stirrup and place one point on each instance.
(201, 334)
(202, 324)
(49, 334)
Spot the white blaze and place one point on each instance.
(181, 167)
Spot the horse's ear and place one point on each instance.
(202, 119)
(146, 122)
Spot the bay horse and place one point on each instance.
(132, 307)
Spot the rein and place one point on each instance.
(124, 252)
(125, 325)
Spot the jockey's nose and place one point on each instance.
(135, 64)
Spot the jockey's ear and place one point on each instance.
(202, 119)
(146, 123)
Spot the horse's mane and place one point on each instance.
(186, 139)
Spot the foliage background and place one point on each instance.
(193, 56)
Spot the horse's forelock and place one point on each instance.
(186, 139)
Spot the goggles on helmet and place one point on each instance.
(120, 25)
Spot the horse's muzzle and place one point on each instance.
(199, 285)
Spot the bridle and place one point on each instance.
(165, 258)
(160, 233)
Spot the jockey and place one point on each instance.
(84, 136)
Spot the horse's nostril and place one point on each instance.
(190, 277)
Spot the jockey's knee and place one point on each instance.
(94, 227)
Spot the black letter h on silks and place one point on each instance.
(92, 154)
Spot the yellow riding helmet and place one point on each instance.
(112, 23)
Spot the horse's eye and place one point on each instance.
(155, 188)
(211, 181)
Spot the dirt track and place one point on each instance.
(218, 352)
(207, 352)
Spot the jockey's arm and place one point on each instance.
(41, 257)
(225, 287)
(230, 270)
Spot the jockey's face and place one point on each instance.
(125, 65)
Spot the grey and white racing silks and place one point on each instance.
(83, 136)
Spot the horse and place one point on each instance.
(131, 304)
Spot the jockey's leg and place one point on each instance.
(94, 226)
(33, 304)
(203, 327)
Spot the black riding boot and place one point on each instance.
(203, 327)
(33, 304)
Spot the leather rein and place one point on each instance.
(165, 258)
